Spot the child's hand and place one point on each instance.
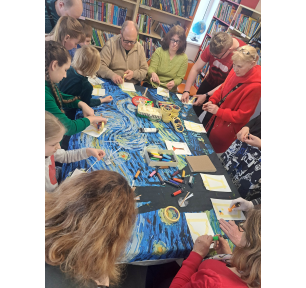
(253, 141)
(221, 246)
(97, 153)
(106, 99)
(201, 245)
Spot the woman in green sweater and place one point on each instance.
(57, 61)
(169, 63)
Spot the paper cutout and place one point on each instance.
(163, 92)
(221, 210)
(98, 92)
(77, 172)
(190, 102)
(126, 86)
(95, 80)
(215, 183)
(93, 131)
(198, 225)
(179, 148)
(196, 127)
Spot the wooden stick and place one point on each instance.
(184, 199)
(144, 95)
(91, 166)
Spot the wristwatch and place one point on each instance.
(207, 96)
(186, 91)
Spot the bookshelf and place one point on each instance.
(133, 8)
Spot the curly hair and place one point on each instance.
(54, 51)
(219, 42)
(180, 32)
(247, 259)
(88, 221)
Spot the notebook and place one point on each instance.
(200, 164)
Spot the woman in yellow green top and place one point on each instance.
(169, 63)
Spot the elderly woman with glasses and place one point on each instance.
(233, 104)
(242, 268)
(169, 63)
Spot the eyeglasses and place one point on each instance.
(222, 55)
(245, 52)
(175, 41)
(240, 227)
(128, 42)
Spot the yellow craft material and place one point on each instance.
(171, 214)
(166, 114)
(177, 124)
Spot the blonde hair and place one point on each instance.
(246, 53)
(53, 126)
(220, 42)
(88, 221)
(87, 60)
(67, 25)
(247, 259)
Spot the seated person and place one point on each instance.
(86, 62)
(242, 270)
(122, 56)
(236, 99)
(169, 63)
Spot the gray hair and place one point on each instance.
(126, 23)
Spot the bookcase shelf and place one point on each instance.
(221, 21)
(153, 35)
(102, 23)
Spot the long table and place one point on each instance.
(152, 239)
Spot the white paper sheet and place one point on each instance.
(98, 92)
(196, 127)
(221, 209)
(93, 131)
(95, 81)
(77, 172)
(215, 183)
(126, 86)
(183, 147)
(190, 102)
(199, 225)
(163, 91)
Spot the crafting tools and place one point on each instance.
(164, 167)
(191, 181)
(152, 174)
(184, 199)
(148, 130)
(177, 193)
(176, 172)
(91, 166)
(167, 156)
(216, 238)
(234, 206)
(178, 180)
(144, 94)
(191, 195)
(160, 178)
(183, 174)
(135, 177)
(172, 184)
(171, 214)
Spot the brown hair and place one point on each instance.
(220, 42)
(180, 32)
(87, 30)
(67, 25)
(247, 259)
(87, 60)
(53, 126)
(88, 221)
(246, 53)
(55, 51)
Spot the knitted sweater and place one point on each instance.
(166, 69)
(72, 126)
(236, 110)
(114, 60)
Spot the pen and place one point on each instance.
(136, 175)
(216, 238)
(234, 206)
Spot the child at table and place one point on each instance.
(67, 31)
(86, 62)
(57, 61)
(54, 132)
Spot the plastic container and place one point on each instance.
(153, 163)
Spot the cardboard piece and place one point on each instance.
(200, 164)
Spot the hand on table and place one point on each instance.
(243, 133)
(200, 99)
(106, 99)
(201, 245)
(128, 74)
(154, 78)
(209, 107)
(170, 85)
(245, 205)
(185, 97)
(117, 79)
(221, 246)
(97, 153)
(253, 141)
(94, 120)
(231, 230)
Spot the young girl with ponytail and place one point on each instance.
(57, 62)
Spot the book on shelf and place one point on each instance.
(205, 43)
(149, 45)
(161, 28)
(245, 24)
(215, 26)
(99, 37)
(104, 12)
(225, 11)
(144, 23)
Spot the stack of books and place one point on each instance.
(225, 12)
(99, 37)
(215, 26)
(162, 29)
(105, 12)
(149, 46)
(144, 23)
(245, 24)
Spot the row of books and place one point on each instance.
(236, 1)
(105, 12)
(215, 26)
(183, 8)
(144, 23)
(245, 24)
(99, 37)
(149, 45)
(205, 43)
(225, 12)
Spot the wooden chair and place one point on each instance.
(181, 87)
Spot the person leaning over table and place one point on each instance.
(237, 97)
(241, 269)
(122, 56)
(169, 63)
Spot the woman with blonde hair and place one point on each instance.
(88, 221)
(235, 101)
(242, 268)
(169, 63)
(68, 31)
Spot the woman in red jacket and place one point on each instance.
(235, 101)
(242, 270)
